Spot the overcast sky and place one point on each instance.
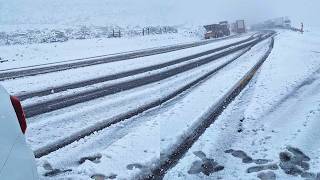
(155, 12)
(307, 11)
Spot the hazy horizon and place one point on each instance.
(146, 12)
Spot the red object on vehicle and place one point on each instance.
(19, 112)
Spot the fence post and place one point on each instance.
(112, 32)
(142, 31)
(7, 39)
(119, 33)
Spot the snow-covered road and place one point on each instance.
(134, 132)
(268, 131)
(33, 83)
(69, 120)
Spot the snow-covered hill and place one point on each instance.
(38, 21)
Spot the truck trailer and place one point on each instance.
(240, 26)
(217, 30)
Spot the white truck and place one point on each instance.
(17, 161)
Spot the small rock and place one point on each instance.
(267, 175)
(285, 156)
(297, 152)
(94, 158)
(305, 166)
(228, 151)
(208, 166)
(261, 161)
(218, 168)
(98, 177)
(247, 160)
(200, 154)
(290, 168)
(308, 175)
(55, 172)
(263, 167)
(135, 165)
(112, 176)
(195, 168)
(47, 166)
(240, 154)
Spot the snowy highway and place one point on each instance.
(31, 70)
(66, 104)
(150, 116)
(164, 82)
(125, 84)
(159, 90)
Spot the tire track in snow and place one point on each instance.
(108, 122)
(65, 87)
(169, 161)
(62, 102)
(34, 70)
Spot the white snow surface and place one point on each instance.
(48, 127)
(171, 119)
(136, 129)
(279, 109)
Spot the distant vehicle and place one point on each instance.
(225, 28)
(17, 161)
(217, 30)
(280, 22)
(287, 23)
(233, 27)
(240, 26)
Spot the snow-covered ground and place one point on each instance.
(269, 130)
(129, 153)
(275, 120)
(34, 54)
